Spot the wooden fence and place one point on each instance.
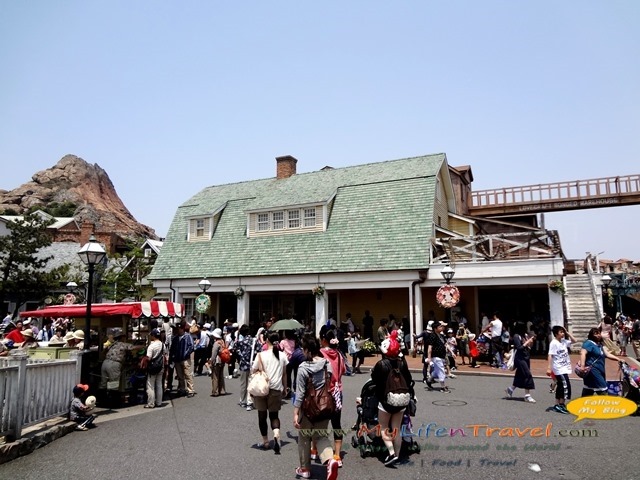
(34, 390)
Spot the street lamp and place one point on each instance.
(448, 274)
(91, 255)
(204, 285)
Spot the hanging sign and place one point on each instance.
(203, 302)
(69, 299)
(448, 296)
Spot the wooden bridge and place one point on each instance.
(555, 197)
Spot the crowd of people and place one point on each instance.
(27, 334)
(300, 367)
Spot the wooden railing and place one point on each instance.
(503, 246)
(579, 194)
(32, 391)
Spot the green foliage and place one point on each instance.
(22, 271)
(124, 277)
(55, 209)
(10, 211)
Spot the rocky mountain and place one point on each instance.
(87, 186)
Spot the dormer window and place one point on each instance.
(200, 229)
(293, 220)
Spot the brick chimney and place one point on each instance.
(85, 232)
(286, 166)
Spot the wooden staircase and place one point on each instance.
(583, 312)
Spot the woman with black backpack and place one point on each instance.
(394, 390)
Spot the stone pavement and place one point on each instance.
(39, 435)
(538, 367)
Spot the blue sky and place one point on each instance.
(171, 97)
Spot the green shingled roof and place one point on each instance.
(380, 221)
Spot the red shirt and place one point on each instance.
(15, 335)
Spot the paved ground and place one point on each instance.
(203, 437)
(538, 367)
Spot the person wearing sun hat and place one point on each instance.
(78, 335)
(29, 339)
(391, 405)
(115, 357)
(69, 340)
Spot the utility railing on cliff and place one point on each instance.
(552, 197)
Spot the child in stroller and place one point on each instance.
(368, 439)
(630, 383)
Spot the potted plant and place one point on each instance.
(556, 286)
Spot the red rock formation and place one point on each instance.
(87, 186)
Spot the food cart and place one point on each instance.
(134, 318)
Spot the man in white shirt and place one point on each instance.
(495, 327)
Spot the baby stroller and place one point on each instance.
(368, 439)
(630, 383)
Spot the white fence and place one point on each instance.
(32, 391)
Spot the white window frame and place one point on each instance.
(309, 217)
(189, 306)
(293, 219)
(277, 220)
(262, 222)
(200, 230)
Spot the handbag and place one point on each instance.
(412, 407)
(580, 372)
(511, 362)
(583, 373)
(258, 382)
(156, 364)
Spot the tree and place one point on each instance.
(55, 209)
(23, 274)
(125, 276)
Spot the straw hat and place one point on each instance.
(27, 333)
(68, 336)
(78, 335)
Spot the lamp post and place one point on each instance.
(91, 255)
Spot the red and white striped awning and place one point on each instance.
(152, 309)
(155, 309)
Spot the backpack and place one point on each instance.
(318, 403)
(156, 364)
(396, 392)
(225, 354)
